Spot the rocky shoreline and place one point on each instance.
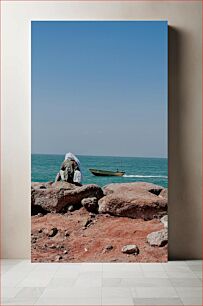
(118, 223)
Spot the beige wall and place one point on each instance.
(184, 113)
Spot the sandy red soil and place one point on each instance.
(88, 243)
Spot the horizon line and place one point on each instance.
(166, 157)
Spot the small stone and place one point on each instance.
(53, 232)
(40, 215)
(70, 208)
(46, 231)
(92, 215)
(164, 220)
(108, 247)
(42, 187)
(34, 239)
(66, 234)
(88, 222)
(130, 249)
(40, 230)
(159, 238)
(65, 252)
(58, 258)
(86, 249)
(52, 246)
(60, 246)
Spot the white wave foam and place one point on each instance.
(141, 176)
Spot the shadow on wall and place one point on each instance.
(184, 205)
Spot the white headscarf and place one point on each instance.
(72, 156)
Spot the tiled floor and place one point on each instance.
(172, 283)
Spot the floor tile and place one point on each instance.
(15, 275)
(146, 282)
(123, 274)
(185, 282)
(195, 268)
(154, 292)
(69, 301)
(6, 268)
(192, 301)
(91, 267)
(116, 292)
(172, 283)
(112, 282)
(198, 274)
(61, 282)
(117, 301)
(113, 267)
(177, 268)
(157, 301)
(193, 262)
(152, 267)
(22, 301)
(189, 291)
(82, 282)
(28, 292)
(155, 274)
(178, 274)
(67, 273)
(72, 292)
(9, 292)
(36, 281)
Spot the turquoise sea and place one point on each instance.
(137, 169)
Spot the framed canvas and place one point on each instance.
(99, 141)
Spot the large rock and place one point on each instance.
(91, 204)
(159, 238)
(54, 197)
(133, 200)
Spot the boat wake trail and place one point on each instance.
(147, 176)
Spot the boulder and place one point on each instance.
(90, 204)
(133, 200)
(159, 238)
(54, 197)
(130, 249)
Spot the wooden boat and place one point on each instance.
(106, 172)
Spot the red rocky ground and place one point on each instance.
(78, 241)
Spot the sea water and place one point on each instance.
(137, 169)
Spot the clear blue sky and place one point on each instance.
(100, 87)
